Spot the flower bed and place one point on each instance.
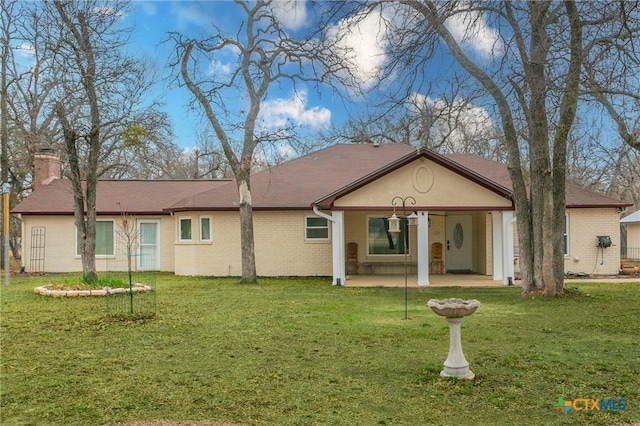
(62, 291)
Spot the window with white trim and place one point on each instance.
(105, 238)
(316, 228)
(205, 228)
(185, 229)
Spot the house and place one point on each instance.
(313, 214)
(632, 222)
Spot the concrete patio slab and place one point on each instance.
(460, 280)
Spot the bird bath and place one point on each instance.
(454, 310)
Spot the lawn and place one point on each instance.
(302, 352)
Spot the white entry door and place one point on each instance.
(458, 245)
(148, 245)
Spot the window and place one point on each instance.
(105, 237)
(185, 229)
(566, 234)
(316, 228)
(205, 228)
(381, 241)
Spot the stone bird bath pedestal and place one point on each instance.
(454, 310)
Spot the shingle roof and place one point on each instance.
(298, 183)
(295, 184)
(576, 197)
(468, 173)
(134, 196)
(581, 198)
(490, 169)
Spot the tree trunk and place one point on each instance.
(85, 222)
(4, 112)
(540, 198)
(249, 274)
(89, 272)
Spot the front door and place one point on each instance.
(458, 245)
(148, 246)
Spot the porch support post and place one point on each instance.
(423, 248)
(498, 261)
(507, 247)
(339, 272)
(339, 260)
(337, 244)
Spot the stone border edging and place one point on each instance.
(44, 291)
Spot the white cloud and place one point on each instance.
(280, 113)
(189, 14)
(472, 31)
(285, 150)
(148, 7)
(292, 14)
(25, 49)
(362, 41)
(454, 122)
(220, 68)
(109, 11)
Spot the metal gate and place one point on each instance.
(36, 255)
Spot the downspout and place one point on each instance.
(338, 247)
(324, 215)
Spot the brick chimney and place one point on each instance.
(46, 167)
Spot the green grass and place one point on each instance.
(301, 352)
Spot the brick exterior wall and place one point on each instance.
(281, 248)
(60, 252)
(584, 256)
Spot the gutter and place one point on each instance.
(324, 215)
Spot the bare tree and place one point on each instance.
(205, 161)
(30, 111)
(129, 236)
(100, 95)
(264, 55)
(7, 28)
(144, 148)
(6, 31)
(448, 124)
(532, 73)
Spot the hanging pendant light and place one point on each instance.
(394, 223)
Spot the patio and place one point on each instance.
(446, 280)
(462, 280)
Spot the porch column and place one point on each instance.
(507, 247)
(498, 261)
(422, 234)
(337, 244)
(339, 273)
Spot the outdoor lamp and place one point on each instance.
(413, 218)
(394, 223)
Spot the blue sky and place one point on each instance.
(305, 108)
(153, 19)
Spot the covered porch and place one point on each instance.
(466, 217)
(476, 249)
